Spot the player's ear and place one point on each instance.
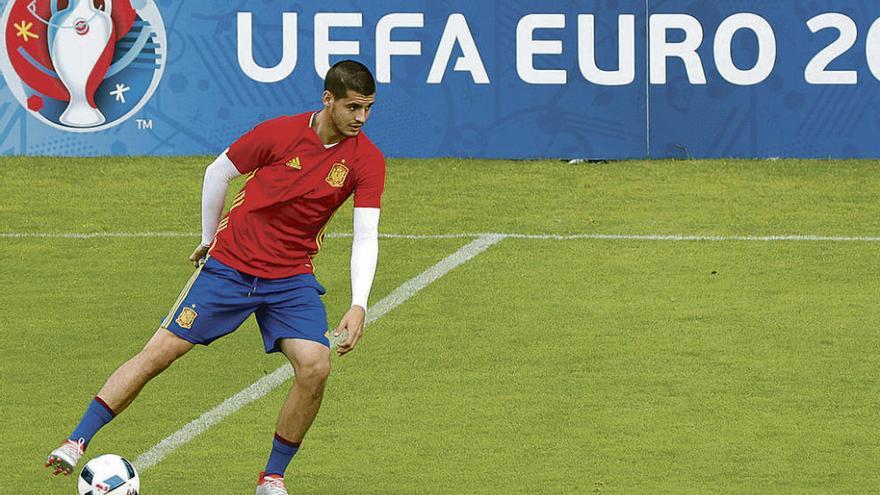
(327, 98)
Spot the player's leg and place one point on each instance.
(294, 322)
(120, 390)
(213, 303)
(311, 365)
(129, 379)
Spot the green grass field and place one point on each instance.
(540, 366)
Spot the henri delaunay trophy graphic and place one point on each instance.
(82, 65)
(78, 37)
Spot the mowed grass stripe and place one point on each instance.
(713, 197)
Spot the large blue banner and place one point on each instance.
(499, 79)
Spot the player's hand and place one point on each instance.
(353, 322)
(199, 253)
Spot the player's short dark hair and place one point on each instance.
(349, 75)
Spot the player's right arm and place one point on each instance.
(217, 178)
(251, 151)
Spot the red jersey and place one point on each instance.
(294, 185)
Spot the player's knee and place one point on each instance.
(156, 359)
(315, 373)
(153, 362)
(160, 352)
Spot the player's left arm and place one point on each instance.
(364, 256)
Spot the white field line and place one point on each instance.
(466, 235)
(275, 379)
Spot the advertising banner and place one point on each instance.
(496, 79)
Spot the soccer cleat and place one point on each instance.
(271, 484)
(64, 458)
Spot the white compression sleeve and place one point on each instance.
(217, 177)
(364, 254)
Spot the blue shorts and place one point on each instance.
(218, 298)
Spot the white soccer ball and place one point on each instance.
(108, 475)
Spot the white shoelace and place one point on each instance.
(75, 449)
(276, 485)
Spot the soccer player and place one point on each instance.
(299, 170)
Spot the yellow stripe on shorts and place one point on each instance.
(182, 296)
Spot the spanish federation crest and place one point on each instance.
(186, 318)
(337, 175)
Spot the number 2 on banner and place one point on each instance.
(816, 71)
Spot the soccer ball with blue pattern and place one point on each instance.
(108, 475)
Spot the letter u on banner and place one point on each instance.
(246, 49)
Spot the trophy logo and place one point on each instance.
(82, 65)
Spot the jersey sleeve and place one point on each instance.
(254, 149)
(370, 182)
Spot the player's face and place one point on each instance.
(349, 114)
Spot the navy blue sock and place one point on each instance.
(282, 453)
(97, 415)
